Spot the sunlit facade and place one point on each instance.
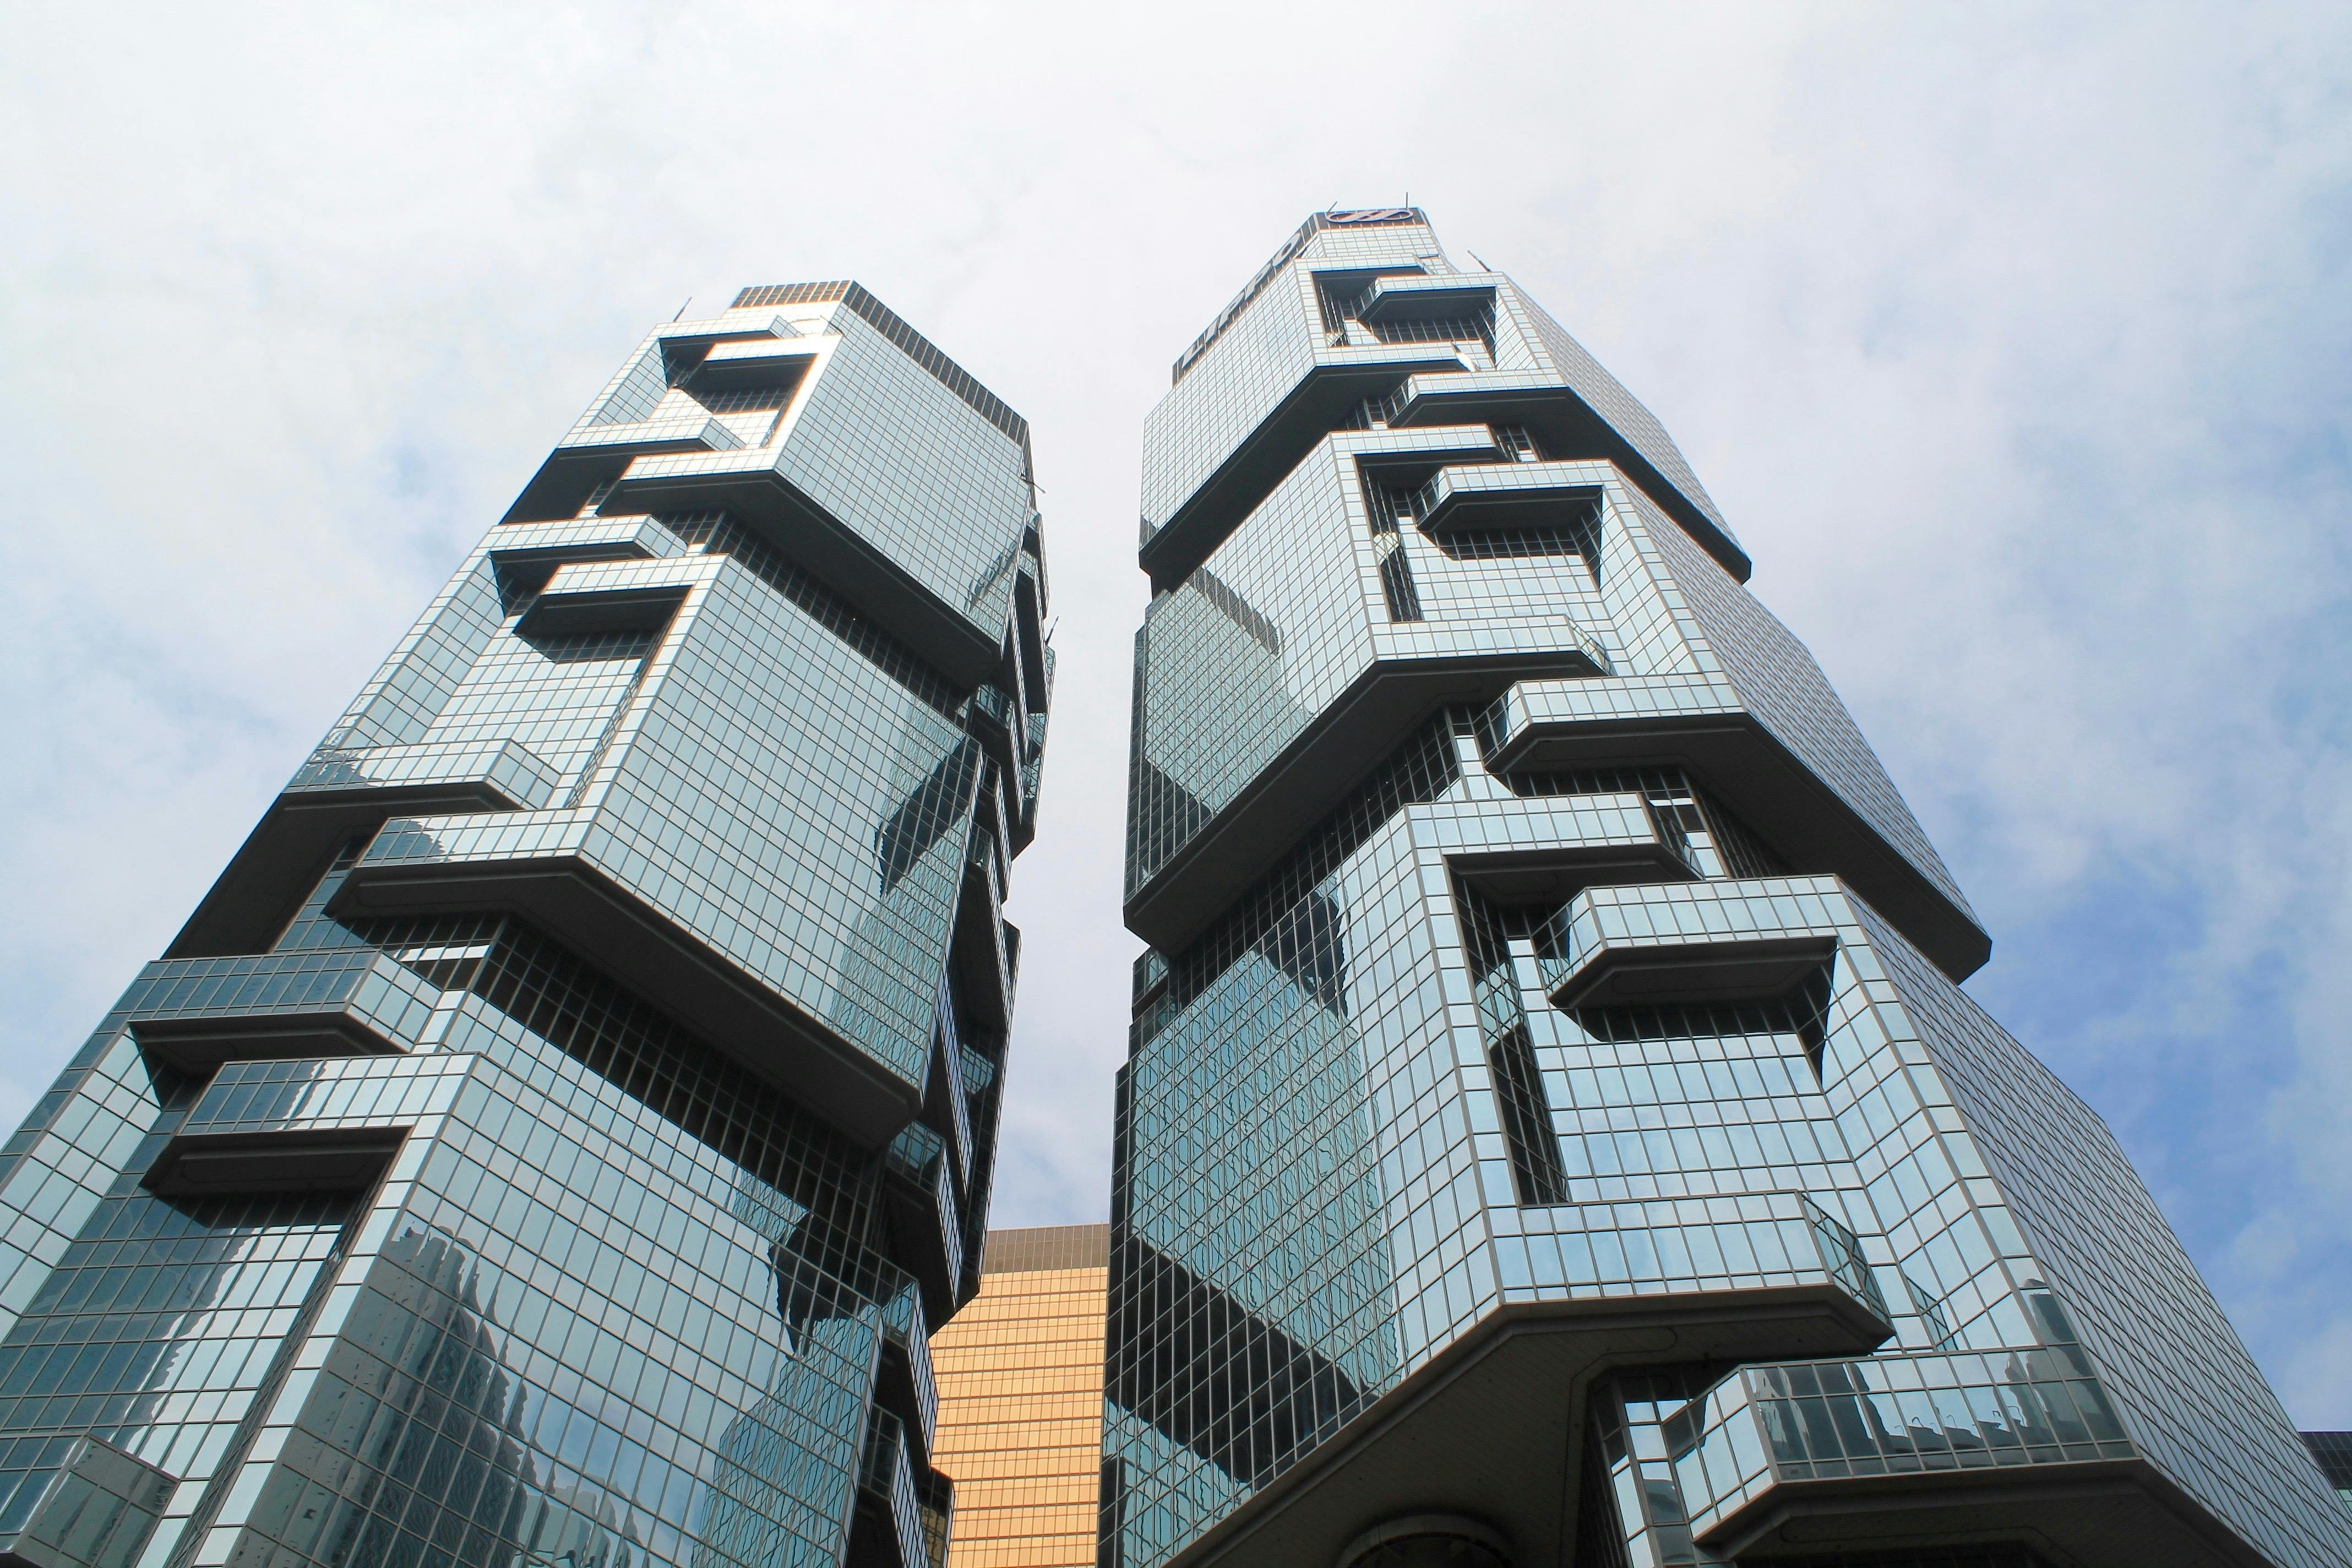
(1552, 1129)
(555, 1136)
(1020, 1375)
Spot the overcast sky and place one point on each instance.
(2013, 341)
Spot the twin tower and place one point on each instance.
(1551, 1133)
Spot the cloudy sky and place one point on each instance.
(2017, 345)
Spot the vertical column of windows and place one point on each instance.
(1537, 1172)
(1391, 505)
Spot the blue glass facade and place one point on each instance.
(1552, 1129)
(2332, 1450)
(555, 1136)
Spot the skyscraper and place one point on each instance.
(1552, 1129)
(1020, 1374)
(554, 1136)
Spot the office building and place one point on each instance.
(1552, 1129)
(2332, 1450)
(554, 1137)
(1020, 1375)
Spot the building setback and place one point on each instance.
(1552, 1130)
(1020, 1374)
(555, 1135)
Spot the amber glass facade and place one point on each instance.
(1020, 1375)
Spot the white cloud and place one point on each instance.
(2011, 339)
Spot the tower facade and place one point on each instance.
(1552, 1130)
(1020, 1373)
(554, 1136)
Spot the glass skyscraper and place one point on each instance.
(1020, 1374)
(1552, 1130)
(554, 1136)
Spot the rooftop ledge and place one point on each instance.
(1459, 498)
(736, 326)
(196, 1014)
(1744, 967)
(294, 1160)
(1425, 297)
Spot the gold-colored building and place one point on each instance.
(1020, 1376)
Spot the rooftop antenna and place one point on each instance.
(1481, 261)
(681, 310)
